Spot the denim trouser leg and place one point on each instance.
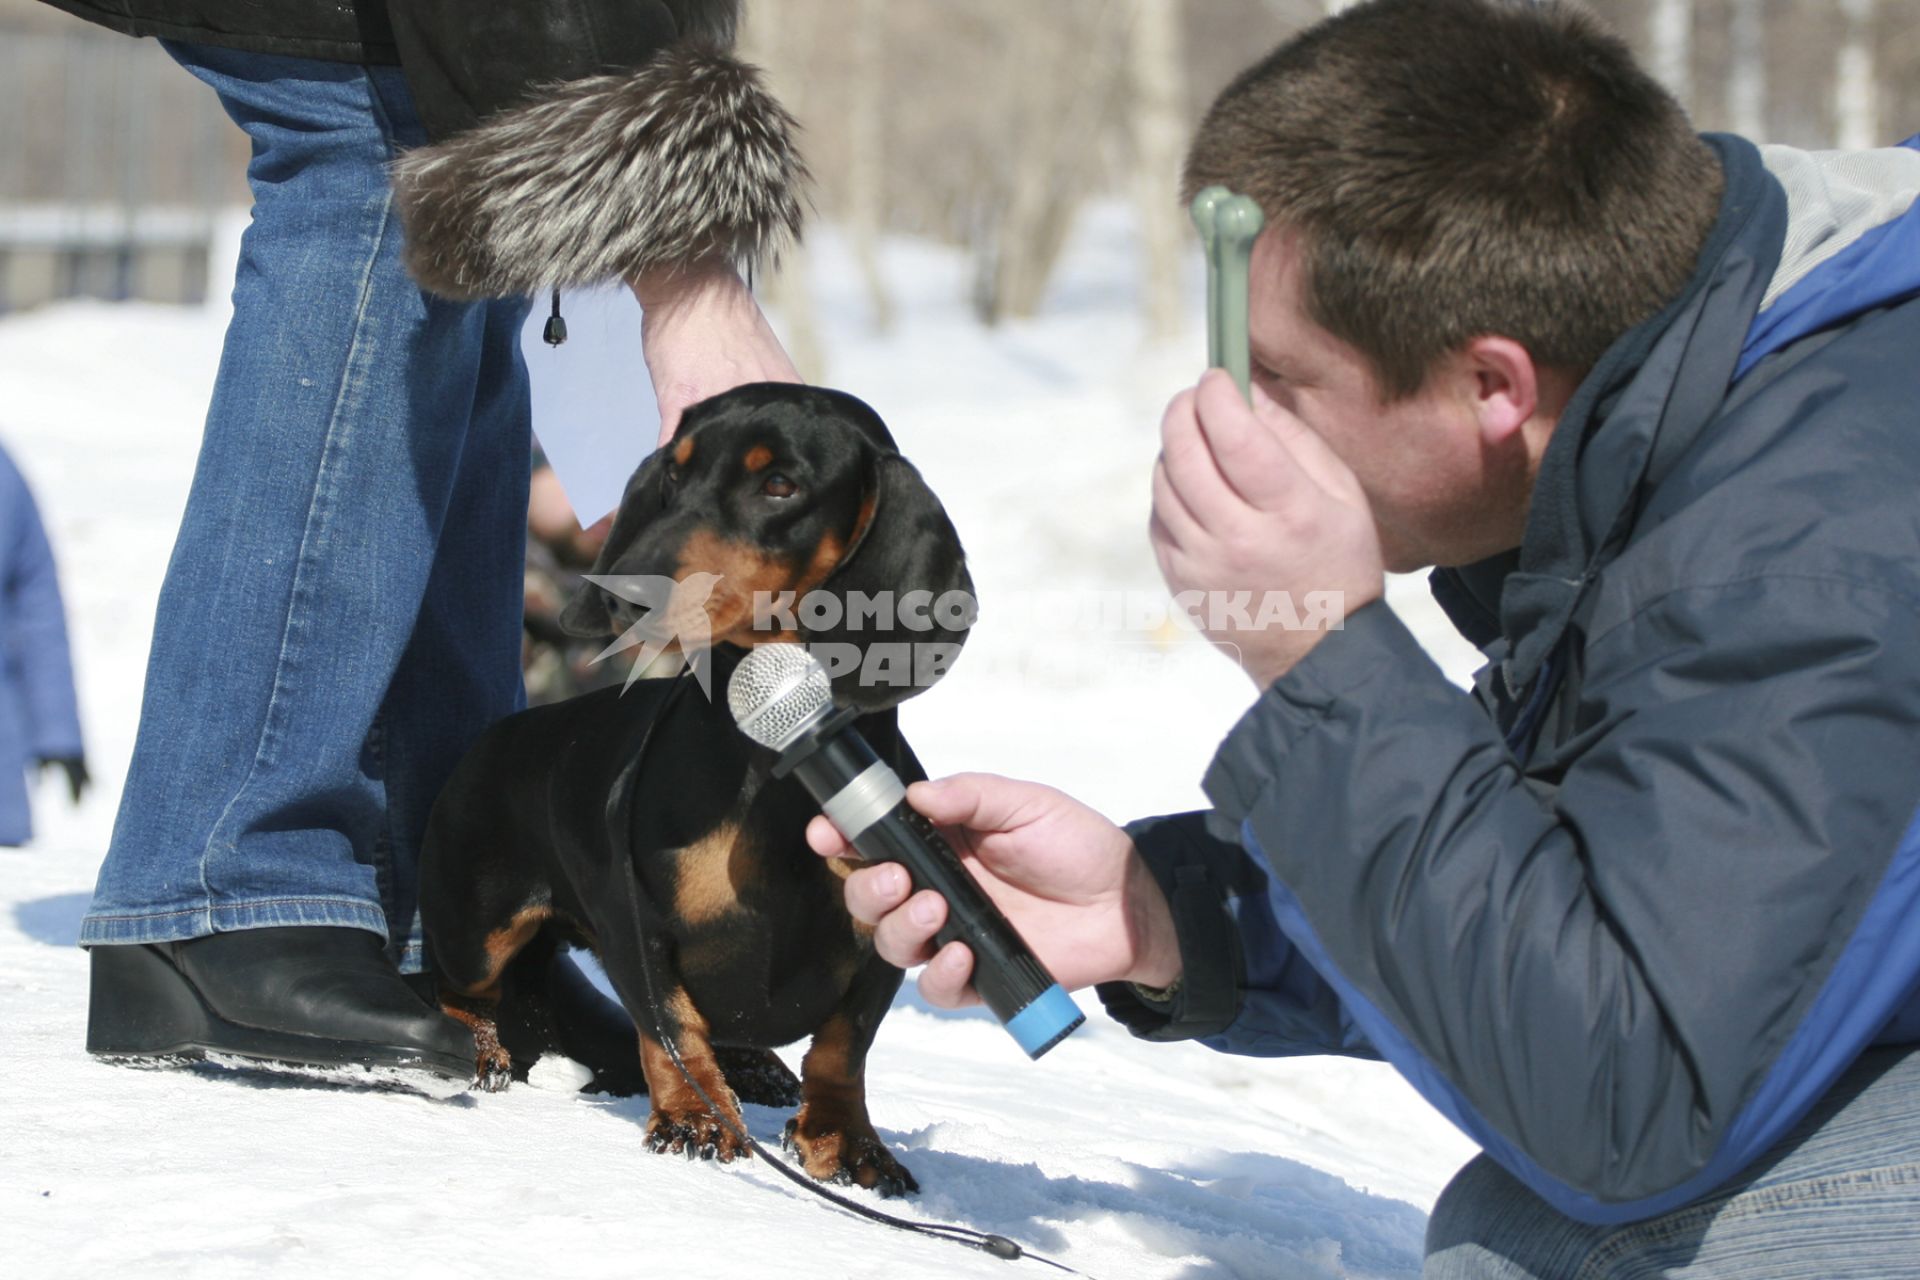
(1837, 1199)
(456, 676)
(341, 614)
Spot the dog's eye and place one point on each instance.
(778, 486)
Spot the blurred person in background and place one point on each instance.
(39, 714)
(555, 665)
(342, 614)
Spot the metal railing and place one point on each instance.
(113, 165)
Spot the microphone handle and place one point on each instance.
(1005, 972)
(840, 770)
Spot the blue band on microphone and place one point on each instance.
(1045, 1022)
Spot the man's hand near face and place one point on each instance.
(1249, 499)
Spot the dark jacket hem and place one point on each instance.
(377, 48)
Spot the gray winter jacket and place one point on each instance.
(1625, 913)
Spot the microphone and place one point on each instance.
(781, 698)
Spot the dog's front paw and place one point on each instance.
(692, 1134)
(493, 1072)
(852, 1156)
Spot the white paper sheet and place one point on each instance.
(593, 407)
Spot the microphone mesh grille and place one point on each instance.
(776, 691)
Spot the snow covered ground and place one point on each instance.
(1119, 1158)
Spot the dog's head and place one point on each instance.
(783, 513)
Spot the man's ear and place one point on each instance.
(1502, 387)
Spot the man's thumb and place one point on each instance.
(947, 800)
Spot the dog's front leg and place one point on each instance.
(832, 1134)
(681, 1121)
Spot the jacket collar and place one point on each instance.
(1648, 398)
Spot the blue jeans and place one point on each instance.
(1837, 1199)
(341, 615)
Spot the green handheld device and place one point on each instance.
(1228, 225)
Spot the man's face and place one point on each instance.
(1439, 495)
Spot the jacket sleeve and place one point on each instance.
(586, 142)
(1243, 987)
(1627, 980)
(38, 662)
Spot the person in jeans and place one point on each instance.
(1639, 913)
(342, 613)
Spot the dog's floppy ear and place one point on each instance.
(904, 557)
(586, 616)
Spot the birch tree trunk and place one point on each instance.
(768, 40)
(1856, 106)
(1671, 29)
(1154, 49)
(1063, 81)
(1747, 68)
(866, 156)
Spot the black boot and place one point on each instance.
(308, 996)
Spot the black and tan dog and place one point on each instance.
(644, 826)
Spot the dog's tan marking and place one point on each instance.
(502, 945)
(672, 1095)
(827, 554)
(492, 1066)
(704, 886)
(683, 450)
(840, 869)
(864, 520)
(745, 571)
(832, 1132)
(827, 1074)
(758, 458)
(679, 1116)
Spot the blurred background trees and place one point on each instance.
(984, 124)
(989, 124)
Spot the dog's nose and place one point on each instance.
(623, 611)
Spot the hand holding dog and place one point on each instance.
(701, 333)
(1249, 499)
(1069, 880)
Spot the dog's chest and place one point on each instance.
(765, 946)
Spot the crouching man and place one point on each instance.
(1638, 914)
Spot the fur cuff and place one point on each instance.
(688, 157)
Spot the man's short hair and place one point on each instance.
(1467, 167)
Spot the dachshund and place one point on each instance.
(642, 825)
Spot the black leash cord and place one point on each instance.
(998, 1246)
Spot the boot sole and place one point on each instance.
(142, 1009)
